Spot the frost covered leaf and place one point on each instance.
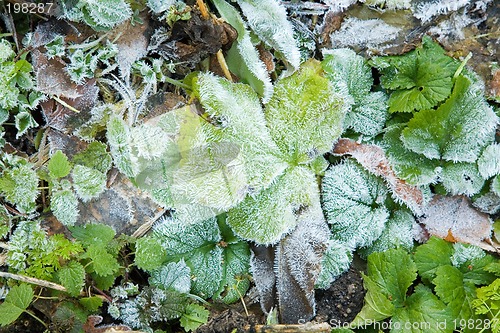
(58, 165)
(19, 186)
(336, 260)
(234, 283)
(457, 130)
(89, 183)
(159, 6)
(23, 122)
(268, 215)
(408, 165)
(454, 219)
(424, 307)
(373, 159)
(193, 317)
(200, 246)
(461, 178)
(298, 264)
(118, 134)
(64, 206)
(17, 300)
(353, 201)
(100, 15)
(172, 276)
(495, 185)
(268, 19)
(305, 114)
(149, 254)
(243, 58)
(398, 233)
(489, 161)
(425, 11)
(420, 79)
(72, 277)
(389, 4)
(94, 156)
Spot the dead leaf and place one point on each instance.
(373, 159)
(92, 321)
(454, 219)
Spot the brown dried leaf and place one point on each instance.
(373, 159)
(454, 219)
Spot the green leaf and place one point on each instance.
(489, 161)
(421, 78)
(88, 183)
(264, 17)
(234, 283)
(305, 114)
(408, 165)
(19, 185)
(174, 276)
(17, 300)
(94, 156)
(462, 178)
(431, 255)
(93, 234)
(243, 58)
(149, 254)
(336, 260)
(24, 121)
(423, 312)
(393, 272)
(103, 263)
(91, 304)
(58, 165)
(64, 206)
(118, 134)
(72, 277)
(6, 51)
(194, 316)
(353, 201)
(377, 304)
(107, 13)
(454, 291)
(457, 130)
(495, 185)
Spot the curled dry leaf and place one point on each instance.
(373, 159)
(455, 220)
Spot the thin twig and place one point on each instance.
(203, 9)
(63, 103)
(31, 280)
(143, 229)
(223, 65)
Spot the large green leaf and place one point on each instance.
(17, 300)
(457, 130)
(430, 256)
(72, 276)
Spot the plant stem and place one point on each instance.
(34, 316)
(63, 103)
(177, 83)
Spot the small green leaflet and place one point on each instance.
(193, 317)
(149, 254)
(58, 165)
(91, 304)
(16, 302)
(103, 263)
(72, 277)
(420, 79)
(457, 130)
(94, 156)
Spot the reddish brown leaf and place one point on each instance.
(373, 159)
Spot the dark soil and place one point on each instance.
(25, 323)
(229, 321)
(341, 302)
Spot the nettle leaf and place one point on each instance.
(149, 253)
(19, 186)
(6, 51)
(204, 251)
(423, 307)
(91, 304)
(431, 255)
(172, 276)
(353, 201)
(457, 130)
(461, 178)
(235, 282)
(243, 58)
(194, 316)
(413, 167)
(72, 277)
(97, 234)
(118, 134)
(94, 156)
(489, 161)
(58, 165)
(420, 79)
(103, 262)
(64, 206)
(268, 19)
(23, 122)
(16, 302)
(268, 215)
(398, 233)
(105, 14)
(305, 114)
(88, 183)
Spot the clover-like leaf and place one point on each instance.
(353, 201)
(420, 79)
(457, 130)
(194, 316)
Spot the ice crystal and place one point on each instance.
(426, 10)
(489, 161)
(389, 4)
(461, 178)
(336, 260)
